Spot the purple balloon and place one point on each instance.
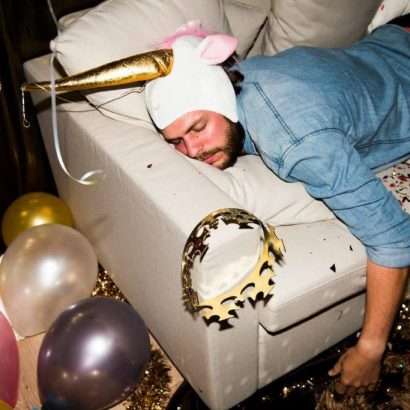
(93, 356)
(9, 363)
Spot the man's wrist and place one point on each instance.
(372, 347)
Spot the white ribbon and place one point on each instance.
(89, 177)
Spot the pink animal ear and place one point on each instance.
(216, 48)
(191, 28)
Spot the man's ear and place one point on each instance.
(216, 48)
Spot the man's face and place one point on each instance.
(206, 136)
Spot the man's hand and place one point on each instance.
(360, 365)
(357, 367)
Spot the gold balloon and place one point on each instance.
(35, 208)
(4, 406)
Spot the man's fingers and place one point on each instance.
(340, 388)
(337, 368)
(355, 373)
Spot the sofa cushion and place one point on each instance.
(324, 263)
(65, 21)
(246, 19)
(317, 23)
(259, 191)
(119, 28)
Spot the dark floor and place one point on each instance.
(309, 387)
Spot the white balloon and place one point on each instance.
(44, 270)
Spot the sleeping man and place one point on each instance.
(325, 117)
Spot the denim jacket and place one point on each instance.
(329, 118)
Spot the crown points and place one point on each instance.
(259, 281)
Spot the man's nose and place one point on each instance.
(193, 146)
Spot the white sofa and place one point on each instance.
(140, 215)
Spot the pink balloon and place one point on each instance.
(9, 363)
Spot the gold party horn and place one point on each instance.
(5, 406)
(129, 70)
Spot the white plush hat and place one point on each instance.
(196, 82)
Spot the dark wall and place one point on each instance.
(26, 27)
(33, 26)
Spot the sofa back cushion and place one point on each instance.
(323, 23)
(247, 19)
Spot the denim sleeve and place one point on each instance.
(333, 171)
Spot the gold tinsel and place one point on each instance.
(106, 287)
(393, 389)
(392, 392)
(153, 390)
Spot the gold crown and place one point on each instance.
(259, 281)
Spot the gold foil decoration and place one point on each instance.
(129, 70)
(4, 406)
(260, 280)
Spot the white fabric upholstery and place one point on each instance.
(283, 351)
(256, 189)
(323, 265)
(321, 23)
(139, 217)
(246, 19)
(65, 21)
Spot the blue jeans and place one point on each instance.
(329, 118)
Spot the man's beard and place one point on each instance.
(234, 144)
